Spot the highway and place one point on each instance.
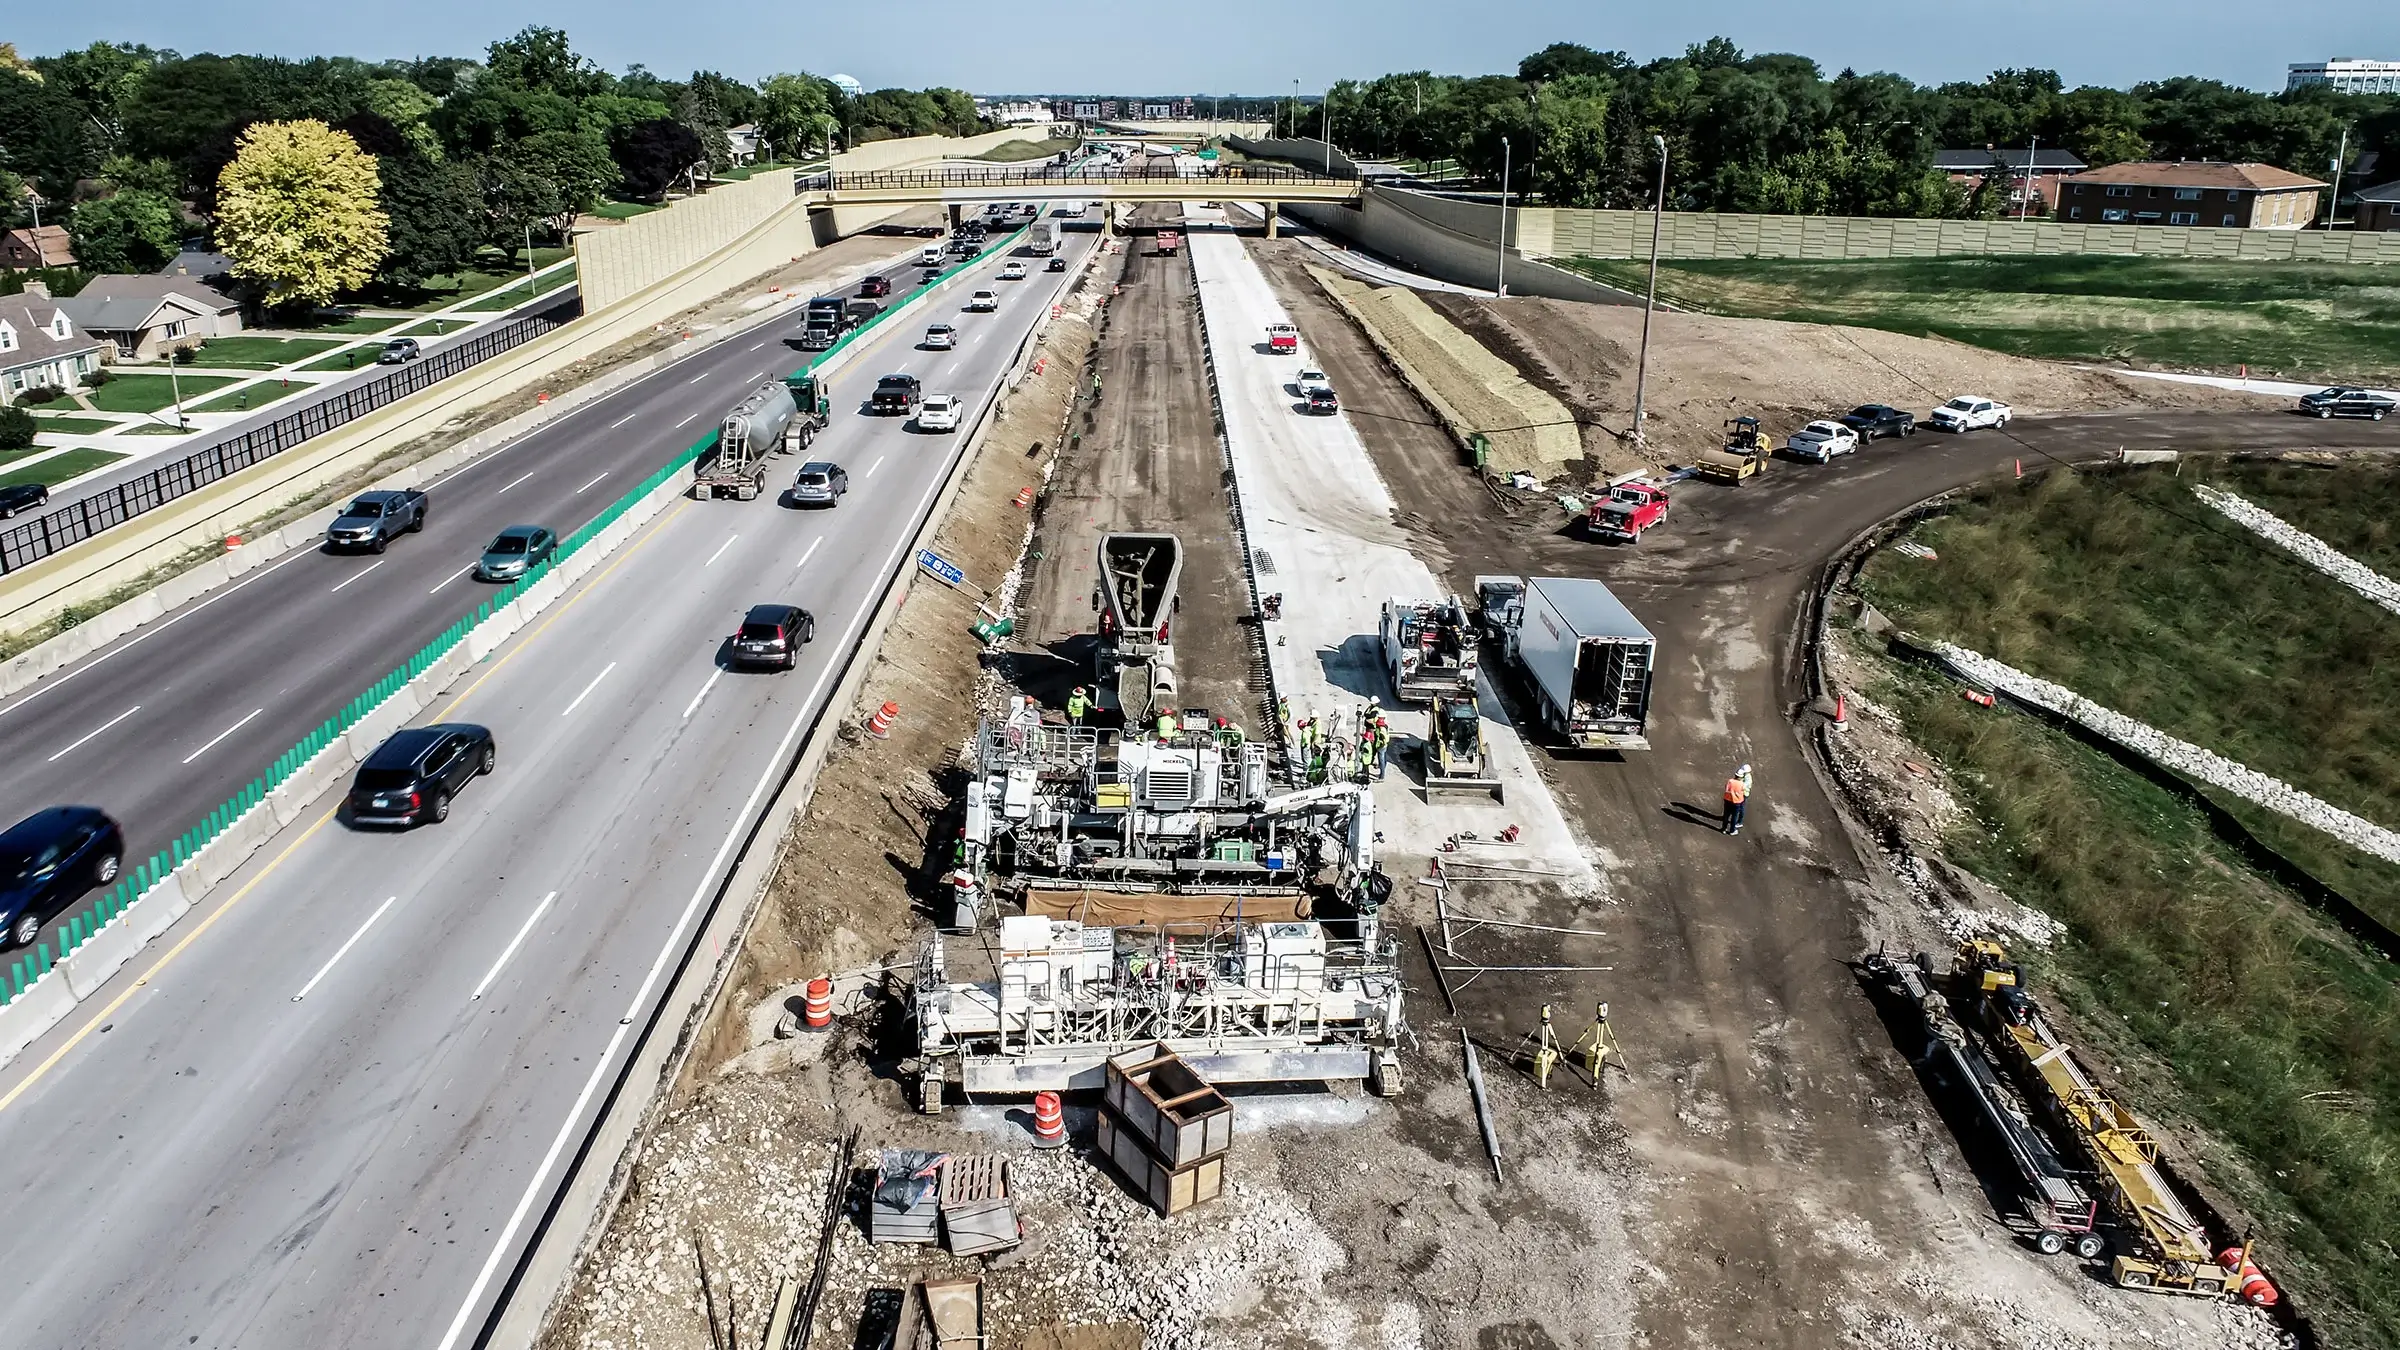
(330, 1107)
(164, 724)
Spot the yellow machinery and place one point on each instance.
(1746, 452)
(2162, 1245)
(1456, 756)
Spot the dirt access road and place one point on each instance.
(1793, 1187)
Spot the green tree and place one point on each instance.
(17, 427)
(1562, 59)
(127, 174)
(13, 206)
(135, 230)
(542, 58)
(433, 208)
(183, 108)
(696, 109)
(791, 112)
(544, 180)
(603, 114)
(1570, 158)
(297, 211)
(406, 107)
(102, 80)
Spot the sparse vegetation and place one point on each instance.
(1012, 152)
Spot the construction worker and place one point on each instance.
(1737, 799)
(1283, 710)
(1229, 736)
(1166, 725)
(1077, 706)
(1366, 752)
(1383, 737)
(958, 851)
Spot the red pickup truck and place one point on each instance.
(1627, 510)
(1168, 242)
(1282, 339)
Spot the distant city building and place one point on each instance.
(2190, 192)
(1077, 107)
(2347, 75)
(1013, 112)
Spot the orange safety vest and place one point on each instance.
(1736, 791)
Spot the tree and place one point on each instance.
(298, 212)
(542, 58)
(127, 174)
(604, 114)
(184, 107)
(1561, 59)
(102, 80)
(653, 154)
(433, 208)
(405, 107)
(697, 110)
(136, 230)
(12, 201)
(791, 112)
(548, 179)
(1570, 151)
(17, 427)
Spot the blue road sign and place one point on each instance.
(934, 562)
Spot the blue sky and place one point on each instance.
(1257, 47)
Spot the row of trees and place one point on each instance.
(1771, 133)
(129, 146)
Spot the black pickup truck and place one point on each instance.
(896, 396)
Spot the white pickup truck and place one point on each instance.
(1970, 412)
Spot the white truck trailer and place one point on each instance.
(1587, 660)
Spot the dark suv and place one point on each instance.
(49, 860)
(23, 497)
(896, 395)
(375, 519)
(2344, 402)
(772, 635)
(411, 777)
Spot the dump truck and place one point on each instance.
(1746, 452)
(1134, 665)
(756, 428)
(827, 318)
(1429, 648)
(1169, 242)
(1632, 505)
(1457, 757)
(1587, 661)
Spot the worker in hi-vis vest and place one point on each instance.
(1737, 799)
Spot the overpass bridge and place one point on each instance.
(959, 185)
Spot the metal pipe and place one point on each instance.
(1500, 246)
(1483, 1108)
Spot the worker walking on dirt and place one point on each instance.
(1077, 706)
(1737, 799)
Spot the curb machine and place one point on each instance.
(1185, 834)
(2159, 1244)
(1134, 665)
(773, 418)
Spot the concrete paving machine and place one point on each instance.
(1457, 758)
(1134, 666)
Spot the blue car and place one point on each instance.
(51, 859)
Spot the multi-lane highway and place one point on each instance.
(329, 1109)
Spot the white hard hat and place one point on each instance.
(1745, 771)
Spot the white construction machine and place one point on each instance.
(1134, 664)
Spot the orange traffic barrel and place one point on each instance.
(817, 1009)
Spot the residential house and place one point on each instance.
(2378, 208)
(148, 316)
(39, 346)
(2032, 174)
(40, 246)
(2190, 192)
(745, 142)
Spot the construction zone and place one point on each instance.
(1313, 881)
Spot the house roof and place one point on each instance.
(2389, 192)
(2197, 173)
(47, 242)
(2045, 159)
(128, 304)
(31, 319)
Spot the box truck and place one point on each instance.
(1587, 660)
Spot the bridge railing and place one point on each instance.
(1054, 175)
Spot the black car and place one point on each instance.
(375, 519)
(1322, 400)
(2341, 401)
(411, 778)
(772, 635)
(1058, 264)
(1874, 419)
(896, 395)
(49, 860)
(22, 497)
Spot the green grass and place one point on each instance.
(2220, 1006)
(353, 324)
(444, 291)
(158, 429)
(260, 353)
(60, 468)
(621, 210)
(67, 424)
(1013, 152)
(509, 296)
(253, 397)
(149, 393)
(2304, 321)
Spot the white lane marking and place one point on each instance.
(595, 479)
(699, 377)
(675, 939)
(756, 345)
(452, 577)
(689, 416)
(870, 473)
(587, 689)
(812, 552)
(222, 735)
(94, 732)
(711, 683)
(345, 951)
(712, 558)
(622, 421)
(759, 376)
(357, 574)
(514, 481)
(511, 949)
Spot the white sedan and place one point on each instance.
(1970, 411)
(939, 412)
(1014, 271)
(1821, 441)
(983, 302)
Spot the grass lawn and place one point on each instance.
(261, 353)
(1011, 152)
(2305, 321)
(59, 468)
(444, 291)
(158, 429)
(621, 210)
(514, 294)
(70, 425)
(354, 324)
(149, 393)
(253, 397)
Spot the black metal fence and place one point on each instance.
(114, 505)
(1053, 175)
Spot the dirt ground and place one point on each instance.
(1705, 369)
(1148, 461)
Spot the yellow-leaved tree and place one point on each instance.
(297, 211)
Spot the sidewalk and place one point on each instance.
(1319, 523)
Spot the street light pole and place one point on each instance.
(1641, 377)
(2033, 156)
(2335, 205)
(1500, 246)
(1328, 130)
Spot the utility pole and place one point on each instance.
(1500, 248)
(2032, 157)
(2331, 207)
(1641, 377)
(175, 387)
(529, 258)
(1294, 105)
(1328, 130)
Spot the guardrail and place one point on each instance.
(113, 506)
(1054, 175)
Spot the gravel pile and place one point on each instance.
(2181, 756)
(2308, 548)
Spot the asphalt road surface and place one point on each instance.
(161, 726)
(329, 1109)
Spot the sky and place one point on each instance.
(1250, 46)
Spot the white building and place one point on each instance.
(2347, 75)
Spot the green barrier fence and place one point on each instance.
(131, 885)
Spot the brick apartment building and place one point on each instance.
(2190, 192)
